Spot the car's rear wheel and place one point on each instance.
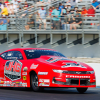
(82, 90)
(34, 83)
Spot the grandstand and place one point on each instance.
(82, 42)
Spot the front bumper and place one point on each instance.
(74, 81)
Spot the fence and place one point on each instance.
(51, 26)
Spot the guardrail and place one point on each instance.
(21, 26)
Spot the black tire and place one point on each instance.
(34, 83)
(82, 90)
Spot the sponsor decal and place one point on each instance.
(25, 69)
(55, 59)
(17, 82)
(24, 84)
(24, 77)
(44, 82)
(24, 73)
(1, 78)
(72, 76)
(8, 84)
(12, 69)
(72, 65)
(33, 66)
(4, 85)
(42, 73)
(1, 82)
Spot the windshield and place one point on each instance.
(30, 54)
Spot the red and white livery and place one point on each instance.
(37, 68)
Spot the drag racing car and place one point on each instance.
(37, 68)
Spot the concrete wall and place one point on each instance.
(71, 50)
(96, 67)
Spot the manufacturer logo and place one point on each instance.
(78, 72)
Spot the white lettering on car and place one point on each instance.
(73, 76)
(33, 66)
(44, 82)
(42, 73)
(72, 65)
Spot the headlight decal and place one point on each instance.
(72, 65)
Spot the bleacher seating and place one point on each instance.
(17, 27)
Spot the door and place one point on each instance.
(11, 65)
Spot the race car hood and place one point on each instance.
(64, 63)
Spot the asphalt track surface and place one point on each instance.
(48, 94)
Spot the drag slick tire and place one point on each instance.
(34, 83)
(82, 90)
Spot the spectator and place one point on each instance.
(84, 11)
(14, 2)
(72, 2)
(71, 20)
(13, 8)
(42, 16)
(40, 2)
(98, 26)
(6, 3)
(69, 6)
(76, 23)
(66, 24)
(77, 12)
(72, 11)
(0, 9)
(49, 1)
(60, 7)
(80, 11)
(30, 23)
(75, 8)
(95, 4)
(66, 6)
(56, 18)
(19, 4)
(25, 13)
(2, 5)
(53, 8)
(9, 9)
(68, 13)
(63, 12)
(25, 4)
(50, 11)
(98, 1)
(91, 11)
(4, 11)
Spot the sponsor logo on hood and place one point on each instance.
(55, 59)
(72, 65)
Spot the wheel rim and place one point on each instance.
(35, 81)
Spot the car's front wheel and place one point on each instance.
(34, 83)
(82, 90)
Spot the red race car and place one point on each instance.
(37, 68)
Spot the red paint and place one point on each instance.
(43, 66)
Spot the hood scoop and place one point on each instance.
(55, 59)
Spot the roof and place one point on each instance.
(28, 49)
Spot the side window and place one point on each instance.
(3, 55)
(14, 55)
